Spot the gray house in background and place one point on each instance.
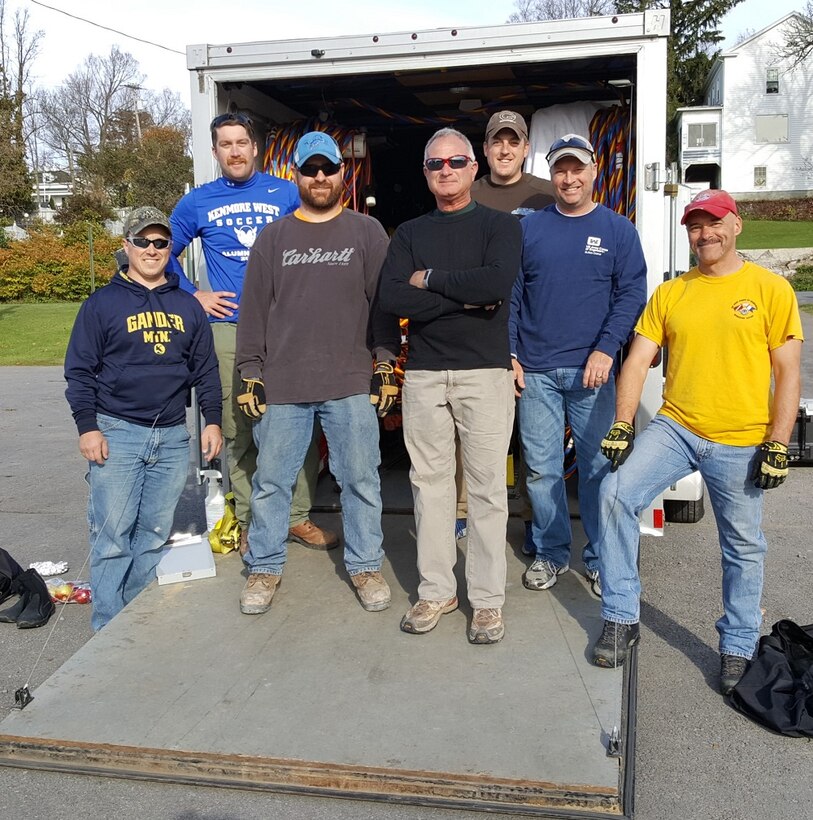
(754, 134)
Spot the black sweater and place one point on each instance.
(474, 255)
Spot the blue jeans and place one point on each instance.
(283, 435)
(664, 453)
(548, 397)
(131, 505)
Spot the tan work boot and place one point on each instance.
(313, 537)
(486, 626)
(424, 616)
(243, 541)
(373, 590)
(258, 592)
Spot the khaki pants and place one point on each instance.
(239, 436)
(479, 406)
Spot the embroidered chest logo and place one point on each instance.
(744, 308)
(593, 246)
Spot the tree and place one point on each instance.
(162, 169)
(17, 52)
(692, 44)
(101, 121)
(529, 10)
(798, 43)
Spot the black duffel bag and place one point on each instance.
(777, 688)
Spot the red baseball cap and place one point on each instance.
(715, 202)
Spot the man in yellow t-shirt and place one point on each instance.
(728, 326)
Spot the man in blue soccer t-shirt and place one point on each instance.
(227, 214)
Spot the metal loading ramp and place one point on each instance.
(320, 697)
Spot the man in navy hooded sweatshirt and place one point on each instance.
(137, 347)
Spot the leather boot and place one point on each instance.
(39, 607)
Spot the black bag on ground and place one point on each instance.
(9, 570)
(777, 688)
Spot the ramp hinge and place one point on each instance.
(22, 697)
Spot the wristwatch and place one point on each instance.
(426, 277)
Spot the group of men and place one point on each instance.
(519, 293)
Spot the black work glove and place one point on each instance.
(383, 388)
(252, 400)
(772, 465)
(618, 443)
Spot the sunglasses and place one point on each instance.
(144, 243)
(311, 169)
(456, 163)
(230, 117)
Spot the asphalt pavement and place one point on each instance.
(695, 756)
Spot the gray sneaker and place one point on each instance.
(424, 616)
(487, 626)
(373, 590)
(594, 580)
(543, 574)
(257, 593)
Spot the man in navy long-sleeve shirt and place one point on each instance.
(581, 286)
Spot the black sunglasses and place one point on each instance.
(144, 243)
(311, 169)
(436, 163)
(225, 119)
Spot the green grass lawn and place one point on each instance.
(35, 334)
(765, 234)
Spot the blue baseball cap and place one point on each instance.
(316, 143)
(571, 145)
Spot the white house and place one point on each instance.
(52, 188)
(754, 135)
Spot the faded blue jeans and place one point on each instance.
(131, 506)
(283, 435)
(664, 453)
(548, 397)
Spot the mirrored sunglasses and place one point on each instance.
(144, 243)
(456, 162)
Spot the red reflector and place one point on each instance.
(657, 519)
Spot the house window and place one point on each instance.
(702, 135)
(760, 176)
(772, 81)
(771, 128)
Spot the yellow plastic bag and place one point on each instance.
(225, 536)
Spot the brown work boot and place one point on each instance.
(258, 592)
(373, 590)
(486, 626)
(424, 616)
(243, 540)
(313, 537)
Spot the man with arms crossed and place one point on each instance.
(450, 273)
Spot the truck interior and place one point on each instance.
(396, 112)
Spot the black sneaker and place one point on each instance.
(732, 668)
(612, 648)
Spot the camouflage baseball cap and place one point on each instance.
(143, 217)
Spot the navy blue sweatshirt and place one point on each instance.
(134, 353)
